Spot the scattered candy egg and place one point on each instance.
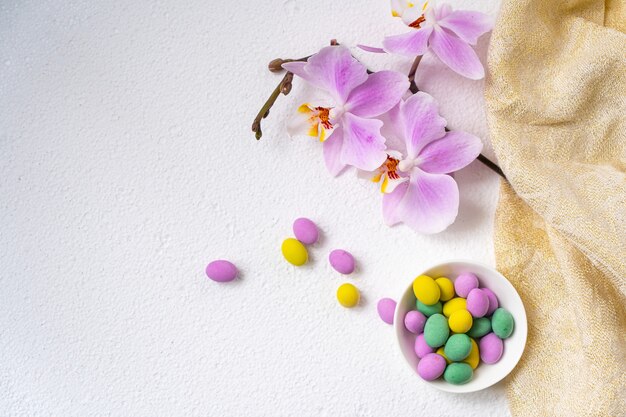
(481, 327)
(294, 252)
(421, 348)
(453, 305)
(436, 331)
(442, 352)
(460, 321)
(342, 261)
(502, 323)
(446, 287)
(465, 283)
(493, 301)
(305, 231)
(458, 373)
(473, 359)
(414, 322)
(348, 295)
(221, 271)
(386, 308)
(458, 347)
(431, 366)
(477, 302)
(491, 348)
(428, 310)
(426, 290)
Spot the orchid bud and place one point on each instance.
(275, 65)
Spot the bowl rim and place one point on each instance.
(461, 389)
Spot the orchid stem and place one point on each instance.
(413, 86)
(491, 165)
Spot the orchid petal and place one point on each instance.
(422, 123)
(363, 145)
(442, 11)
(378, 94)
(412, 43)
(393, 132)
(391, 202)
(332, 152)
(457, 54)
(467, 25)
(429, 204)
(373, 49)
(454, 151)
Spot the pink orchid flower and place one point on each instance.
(419, 191)
(447, 33)
(344, 120)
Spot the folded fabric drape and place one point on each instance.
(556, 100)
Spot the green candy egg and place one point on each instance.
(429, 310)
(458, 373)
(481, 327)
(502, 323)
(458, 347)
(436, 331)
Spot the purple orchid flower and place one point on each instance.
(344, 120)
(447, 33)
(418, 190)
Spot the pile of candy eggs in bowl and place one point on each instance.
(461, 326)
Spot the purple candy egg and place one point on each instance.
(477, 303)
(421, 348)
(493, 301)
(490, 347)
(431, 366)
(386, 308)
(221, 271)
(414, 321)
(305, 231)
(465, 283)
(342, 261)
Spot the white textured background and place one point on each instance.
(126, 164)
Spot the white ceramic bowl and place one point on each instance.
(485, 375)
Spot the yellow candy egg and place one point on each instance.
(426, 290)
(474, 357)
(348, 295)
(460, 321)
(446, 287)
(453, 305)
(441, 352)
(294, 252)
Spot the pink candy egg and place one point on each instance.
(491, 348)
(386, 308)
(305, 231)
(477, 303)
(421, 348)
(221, 271)
(414, 321)
(465, 283)
(493, 301)
(342, 261)
(431, 366)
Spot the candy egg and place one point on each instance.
(342, 261)
(491, 347)
(386, 308)
(460, 321)
(426, 290)
(428, 310)
(458, 373)
(481, 327)
(446, 287)
(431, 366)
(458, 347)
(477, 302)
(414, 322)
(465, 283)
(493, 301)
(294, 252)
(474, 356)
(221, 271)
(348, 295)
(453, 305)
(436, 331)
(502, 323)
(421, 348)
(305, 231)
(442, 352)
